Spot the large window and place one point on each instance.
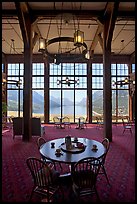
(38, 90)
(97, 91)
(68, 100)
(15, 93)
(120, 94)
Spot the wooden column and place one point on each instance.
(46, 91)
(27, 93)
(110, 16)
(89, 92)
(107, 96)
(27, 22)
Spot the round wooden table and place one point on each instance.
(71, 157)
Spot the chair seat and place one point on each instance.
(84, 177)
(128, 126)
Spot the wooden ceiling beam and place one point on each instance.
(23, 21)
(100, 39)
(111, 16)
(26, 18)
(95, 40)
(82, 14)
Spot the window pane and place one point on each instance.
(68, 104)
(123, 98)
(12, 102)
(122, 69)
(38, 104)
(38, 82)
(2, 67)
(81, 103)
(55, 69)
(13, 69)
(133, 67)
(21, 69)
(97, 82)
(97, 103)
(114, 106)
(82, 82)
(113, 69)
(38, 69)
(81, 69)
(54, 103)
(21, 103)
(53, 82)
(97, 69)
(68, 69)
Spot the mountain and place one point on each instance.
(38, 101)
(54, 102)
(82, 102)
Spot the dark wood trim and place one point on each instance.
(82, 14)
(89, 92)
(38, 58)
(46, 93)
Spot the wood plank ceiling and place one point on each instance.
(89, 16)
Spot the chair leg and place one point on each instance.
(60, 166)
(98, 198)
(103, 168)
(30, 197)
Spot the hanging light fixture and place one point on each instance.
(66, 48)
(42, 44)
(126, 81)
(68, 81)
(78, 38)
(5, 81)
(87, 55)
(12, 82)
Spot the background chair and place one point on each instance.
(66, 122)
(106, 144)
(127, 126)
(99, 122)
(84, 177)
(57, 122)
(37, 128)
(17, 126)
(81, 122)
(45, 179)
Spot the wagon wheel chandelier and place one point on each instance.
(68, 48)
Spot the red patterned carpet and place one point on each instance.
(120, 165)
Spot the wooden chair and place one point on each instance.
(37, 128)
(45, 179)
(57, 122)
(81, 122)
(106, 144)
(17, 126)
(66, 122)
(127, 126)
(99, 122)
(84, 177)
